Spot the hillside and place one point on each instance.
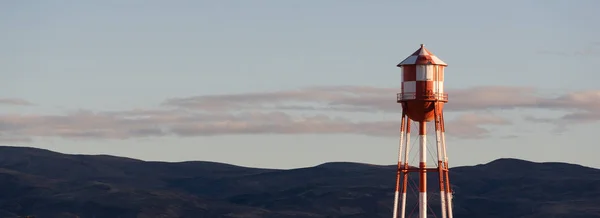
(49, 184)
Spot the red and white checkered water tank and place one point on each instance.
(422, 85)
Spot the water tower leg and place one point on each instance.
(400, 165)
(446, 172)
(405, 172)
(422, 170)
(441, 166)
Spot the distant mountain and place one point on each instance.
(44, 184)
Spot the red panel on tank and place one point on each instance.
(409, 73)
(424, 88)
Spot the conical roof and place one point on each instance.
(422, 56)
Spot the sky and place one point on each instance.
(287, 84)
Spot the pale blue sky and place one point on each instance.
(120, 55)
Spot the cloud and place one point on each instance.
(471, 125)
(588, 100)
(339, 98)
(592, 49)
(154, 123)
(14, 101)
(355, 99)
(579, 107)
(374, 99)
(15, 139)
(284, 112)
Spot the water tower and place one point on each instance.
(422, 100)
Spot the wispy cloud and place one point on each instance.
(592, 49)
(15, 101)
(141, 123)
(471, 125)
(15, 139)
(277, 113)
(372, 99)
(580, 107)
(339, 98)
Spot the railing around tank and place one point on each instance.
(428, 96)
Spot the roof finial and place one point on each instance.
(422, 45)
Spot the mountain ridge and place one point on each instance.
(324, 164)
(52, 184)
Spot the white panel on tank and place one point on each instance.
(410, 87)
(403, 72)
(424, 72)
(440, 73)
(421, 72)
(430, 71)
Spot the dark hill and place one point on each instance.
(49, 184)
